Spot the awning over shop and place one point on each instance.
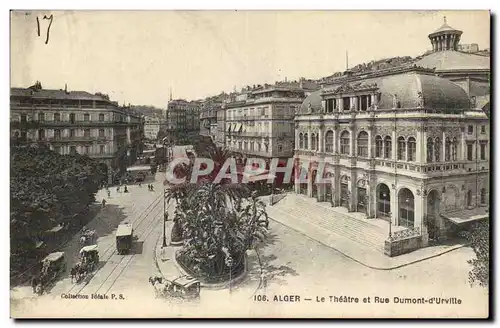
(466, 215)
(229, 128)
(238, 127)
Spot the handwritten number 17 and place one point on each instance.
(50, 19)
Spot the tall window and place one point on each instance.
(469, 198)
(412, 149)
(306, 141)
(86, 133)
(86, 117)
(57, 134)
(406, 208)
(346, 103)
(447, 150)
(430, 150)
(483, 129)
(483, 151)
(72, 150)
(101, 132)
(41, 134)
(401, 148)
(101, 117)
(41, 117)
(101, 149)
(24, 118)
(437, 149)
(469, 152)
(363, 144)
(379, 146)
(317, 141)
(87, 150)
(57, 117)
(454, 149)
(72, 119)
(388, 147)
(301, 141)
(72, 133)
(344, 143)
(483, 196)
(470, 129)
(313, 141)
(329, 142)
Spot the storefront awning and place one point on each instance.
(466, 215)
(238, 128)
(229, 128)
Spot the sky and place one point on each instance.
(138, 56)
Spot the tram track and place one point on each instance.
(136, 224)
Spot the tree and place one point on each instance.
(479, 238)
(46, 189)
(214, 231)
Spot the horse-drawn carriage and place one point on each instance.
(51, 266)
(89, 237)
(184, 287)
(89, 259)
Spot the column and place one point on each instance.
(354, 103)
(340, 105)
(423, 227)
(394, 145)
(353, 139)
(309, 181)
(419, 145)
(309, 139)
(463, 154)
(297, 141)
(394, 206)
(443, 152)
(335, 140)
(373, 99)
(370, 143)
(297, 175)
(321, 146)
(336, 186)
(353, 199)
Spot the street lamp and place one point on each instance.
(165, 218)
(229, 263)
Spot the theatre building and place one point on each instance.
(404, 146)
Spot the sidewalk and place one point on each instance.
(360, 252)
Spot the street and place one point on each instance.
(292, 264)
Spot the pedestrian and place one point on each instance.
(109, 194)
(152, 188)
(118, 189)
(103, 202)
(140, 184)
(125, 190)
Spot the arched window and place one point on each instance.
(301, 141)
(406, 203)
(437, 149)
(344, 143)
(401, 148)
(379, 146)
(329, 142)
(313, 141)
(430, 150)
(317, 141)
(363, 144)
(306, 141)
(388, 147)
(483, 196)
(412, 149)
(454, 149)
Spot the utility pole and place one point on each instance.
(165, 218)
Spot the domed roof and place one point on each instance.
(410, 90)
(445, 28)
(413, 90)
(313, 100)
(450, 60)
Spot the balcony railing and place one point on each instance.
(63, 139)
(36, 124)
